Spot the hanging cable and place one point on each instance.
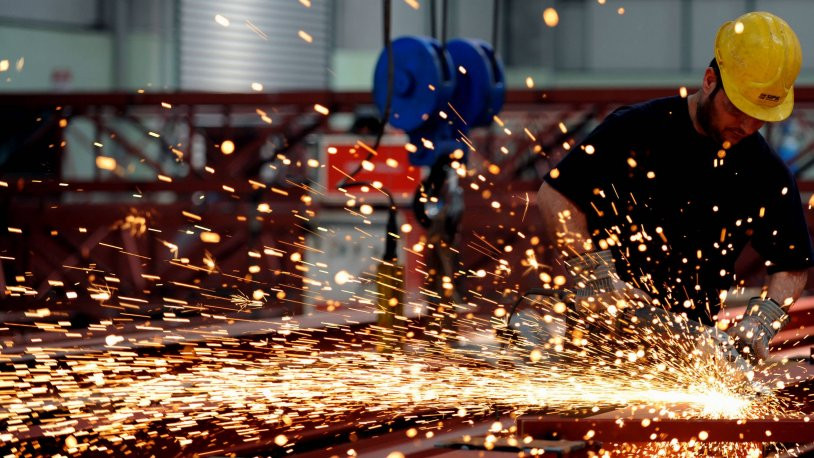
(495, 23)
(390, 246)
(388, 45)
(432, 186)
(444, 11)
(433, 20)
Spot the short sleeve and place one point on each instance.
(597, 162)
(781, 236)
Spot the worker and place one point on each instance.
(661, 198)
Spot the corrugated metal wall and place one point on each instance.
(262, 44)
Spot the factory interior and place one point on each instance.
(341, 228)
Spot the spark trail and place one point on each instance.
(289, 387)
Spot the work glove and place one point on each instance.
(761, 322)
(599, 287)
(709, 341)
(719, 345)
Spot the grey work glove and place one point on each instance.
(598, 286)
(708, 340)
(761, 322)
(719, 345)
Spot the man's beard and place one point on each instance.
(703, 113)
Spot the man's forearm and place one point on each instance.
(786, 287)
(564, 223)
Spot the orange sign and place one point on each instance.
(390, 166)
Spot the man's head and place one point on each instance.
(750, 80)
(717, 116)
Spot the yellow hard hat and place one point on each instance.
(759, 56)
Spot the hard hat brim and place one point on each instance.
(764, 113)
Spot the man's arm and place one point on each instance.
(563, 222)
(593, 273)
(763, 318)
(786, 287)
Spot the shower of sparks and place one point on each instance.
(210, 387)
(288, 384)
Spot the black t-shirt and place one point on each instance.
(677, 209)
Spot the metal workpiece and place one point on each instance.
(798, 430)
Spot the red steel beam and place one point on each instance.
(181, 185)
(338, 99)
(34, 188)
(124, 99)
(802, 94)
(663, 430)
(805, 186)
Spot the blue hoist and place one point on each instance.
(437, 92)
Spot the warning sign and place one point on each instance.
(389, 166)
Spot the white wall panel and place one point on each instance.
(527, 42)
(359, 23)
(571, 36)
(707, 16)
(646, 37)
(471, 19)
(230, 59)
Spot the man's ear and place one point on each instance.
(710, 81)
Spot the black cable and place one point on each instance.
(495, 25)
(388, 45)
(433, 20)
(430, 187)
(390, 245)
(444, 10)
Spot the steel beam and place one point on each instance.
(341, 100)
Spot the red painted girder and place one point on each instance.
(610, 430)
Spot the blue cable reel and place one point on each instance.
(427, 80)
(423, 83)
(480, 86)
